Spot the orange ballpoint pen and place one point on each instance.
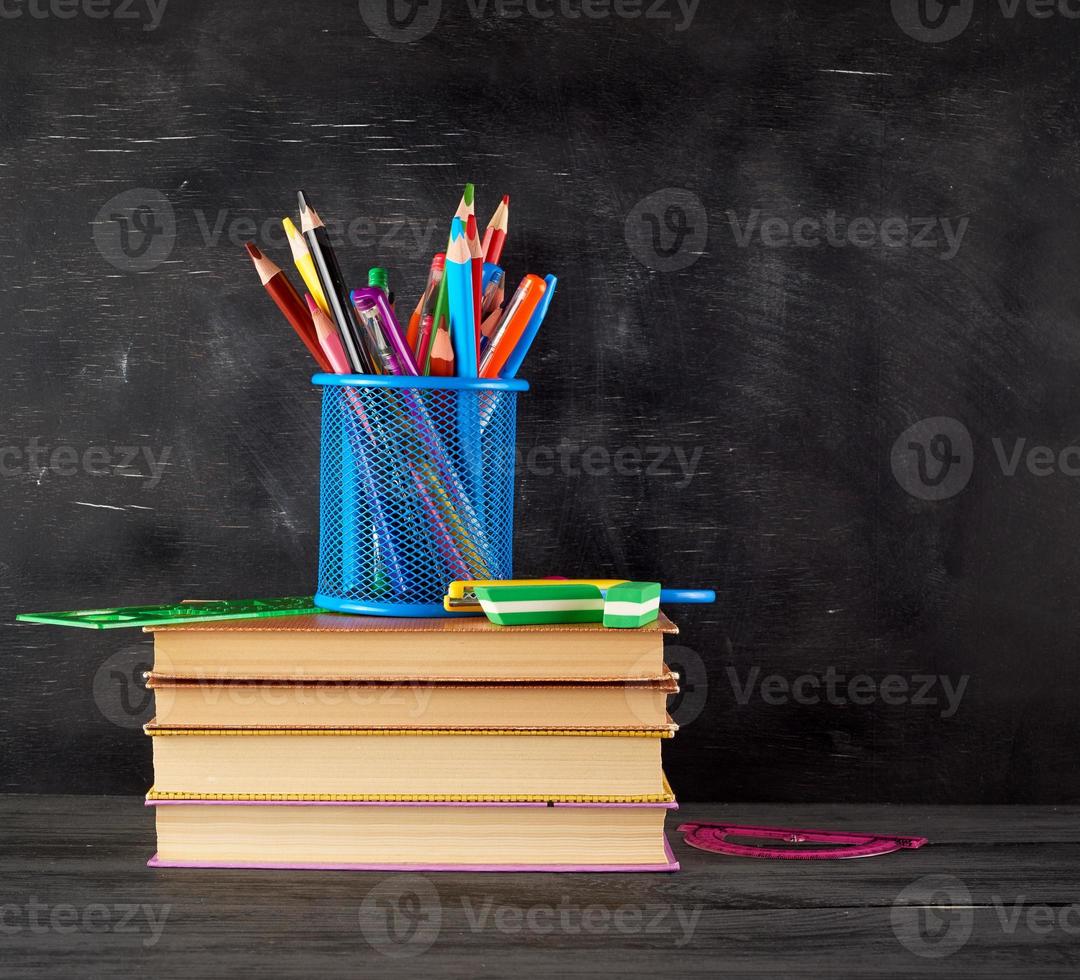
(512, 325)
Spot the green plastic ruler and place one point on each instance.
(189, 611)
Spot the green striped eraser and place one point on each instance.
(632, 604)
(530, 605)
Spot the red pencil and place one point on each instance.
(289, 302)
(495, 233)
(472, 236)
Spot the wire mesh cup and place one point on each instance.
(417, 489)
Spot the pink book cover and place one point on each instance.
(670, 864)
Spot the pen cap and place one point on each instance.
(379, 278)
(492, 274)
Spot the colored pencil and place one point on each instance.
(337, 295)
(467, 205)
(288, 300)
(477, 253)
(512, 326)
(423, 342)
(328, 338)
(304, 263)
(441, 358)
(495, 233)
(425, 306)
(487, 328)
(459, 280)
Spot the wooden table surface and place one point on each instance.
(994, 894)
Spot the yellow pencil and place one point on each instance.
(305, 264)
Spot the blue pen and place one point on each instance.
(513, 362)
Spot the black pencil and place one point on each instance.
(337, 293)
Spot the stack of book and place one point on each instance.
(335, 741)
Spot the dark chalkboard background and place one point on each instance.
(785, 373)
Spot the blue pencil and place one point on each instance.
(459, 285)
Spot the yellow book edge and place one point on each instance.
(163, 731)
(667, 795)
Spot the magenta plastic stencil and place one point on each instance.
(714, 837)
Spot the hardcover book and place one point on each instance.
(381, 836)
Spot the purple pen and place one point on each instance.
(382, 332)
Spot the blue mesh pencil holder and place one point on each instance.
(417, 489)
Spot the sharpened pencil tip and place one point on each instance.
(253, 250)
(457, 229)
(506, 199)
(470, 192)
(309, 218)
(470, 227)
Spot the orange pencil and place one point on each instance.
(426, 304)
(472, 238)
(442, 355)
(495, 233)
(507, 334)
